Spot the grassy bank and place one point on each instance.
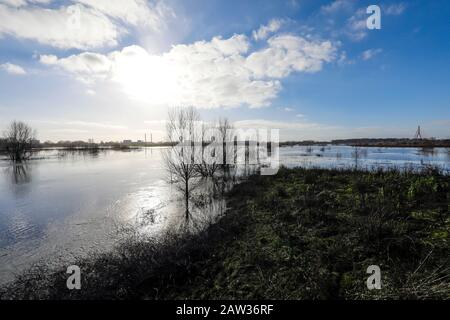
(302, 234)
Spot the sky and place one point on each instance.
(109, 70)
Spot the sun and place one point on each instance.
(148, 78)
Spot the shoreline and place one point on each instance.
(369, 145)
(374, 143)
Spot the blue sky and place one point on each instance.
(109, 70)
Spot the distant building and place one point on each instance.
(127, 141)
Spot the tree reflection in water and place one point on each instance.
(20, 174)
(427, 151)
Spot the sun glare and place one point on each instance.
(147, 78)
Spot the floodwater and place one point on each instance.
(63, 205)
(369, 158)
(66, 204)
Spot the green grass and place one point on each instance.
(311, 234)
(302, 234)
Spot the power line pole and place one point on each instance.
(418, 135)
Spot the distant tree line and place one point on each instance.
(393, 142)
(373, 142)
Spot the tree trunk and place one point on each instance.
(186, 196)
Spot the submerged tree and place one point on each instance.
(210, 161)
(226, 130)
(18, 141)
(183, 135)
(357, 154)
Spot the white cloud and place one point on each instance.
(58, 129)
(81, 124)
(289, 53)
(356, 27)
(14, 3)
(205, 74)
(83, 25)
(87, 66)
(395, 9)
(264, 31)
(22, 3)
(134, 12)
(337, 6)
(96, 125)
(59, 27)
(288, 109)
(344, 18)
(13, 69)
(269, 124)
(65, 130)
(369, 54)
(156, 122)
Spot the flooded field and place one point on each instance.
(66, 204)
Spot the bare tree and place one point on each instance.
(183, 135)
(208, 165)
(18, 140)
(226, 129)
(357, 154)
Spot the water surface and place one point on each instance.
(67, 204)
(365, 157)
